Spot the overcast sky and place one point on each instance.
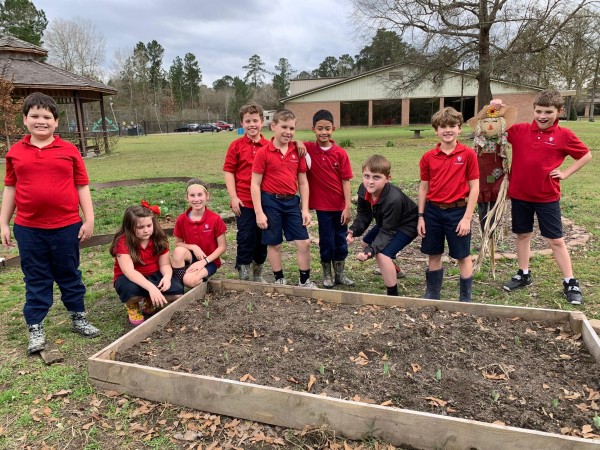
(222, 34)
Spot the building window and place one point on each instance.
(354, 113)
(465, 105)
(387, 112)
(422, 109)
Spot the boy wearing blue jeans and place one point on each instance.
(447, 197)
(395, 219)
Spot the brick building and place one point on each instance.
(373, 98)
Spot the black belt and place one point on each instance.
(456, 204)
(281, 196)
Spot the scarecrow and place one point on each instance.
(491, 145)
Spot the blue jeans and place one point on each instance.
(49, 256)
(249, 245)
(332, 236)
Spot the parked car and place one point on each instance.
(188, 128)
(224, 125)
(211, 127)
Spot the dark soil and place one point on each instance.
(525, 374)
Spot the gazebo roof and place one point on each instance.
(21, 62)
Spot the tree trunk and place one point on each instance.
(484, 91)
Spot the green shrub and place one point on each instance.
(389, 144)
(346, 143)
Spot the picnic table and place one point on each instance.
(417, 132)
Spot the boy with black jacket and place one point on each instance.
(395, 217)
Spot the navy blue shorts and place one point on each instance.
(548, 216)
(283, 218)
(398, 242)
(440, 226)
(127, 289)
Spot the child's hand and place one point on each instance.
(306, 218)
(261, 221)
(198, 253)
(164, 284)
(464, 227)
(157, 298)
(556, 173)
(421, 227)
(345, 216)
(362, 256)
(300, 148)
(235, 206)
(86, 230)
(5, 231)
(350, 237)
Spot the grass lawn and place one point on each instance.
(34, 408)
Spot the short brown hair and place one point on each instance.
(378, 164)
(283, 114)
(446, 117)
(549, 97)
(42, 101)
(252, 108)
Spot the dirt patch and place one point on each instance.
(525, 374)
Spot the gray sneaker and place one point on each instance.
(82, 326)
(281, 281)
(37, 338)
(244, 272)
(308, 284)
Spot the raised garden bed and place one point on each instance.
(303, 358)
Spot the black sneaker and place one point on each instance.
(519, 281)
(572, 292)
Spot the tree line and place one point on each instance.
(536, 42)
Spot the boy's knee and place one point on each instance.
(523, 236)
(556, 243)
(303, 245)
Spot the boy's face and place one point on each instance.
(448, 134)
(323, 130)
(252, 124)
(284, 131)
(40, 122)
(374, 182)
(545, 116)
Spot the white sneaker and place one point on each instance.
(309, 284)
(281, 281)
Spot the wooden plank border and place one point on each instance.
(293, 409)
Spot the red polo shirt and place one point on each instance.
(45, 181)
(535, 153)
(449, 174)
(280, 172)
(327, 170)
(149, 259)
(238, 160)
(203, 232)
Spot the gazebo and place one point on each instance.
(23, 64)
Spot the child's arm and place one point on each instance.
(348, 202)
(195, 249)
(578, 164)
(126, 264)
(205, 261)
(235, 200)
(261, 218)
(8, 209)
(464, 226)
(423, 189)
(85, 201)
(304, 193)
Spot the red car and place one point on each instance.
(221, 125)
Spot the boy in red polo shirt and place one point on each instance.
(237, 170)
(329, 178)
(46, 182)
(447, 197)
(277, 174)
(538, 150)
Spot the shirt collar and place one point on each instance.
(536, 127)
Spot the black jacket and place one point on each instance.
(393, 212)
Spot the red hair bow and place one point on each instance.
(154, 208)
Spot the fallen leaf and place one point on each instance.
(499, 422)
(362, 355)
(545, 386)
(111, 393)
(563, 356)
(311, 381)
(572, 396)
(360, 361)
(293, 380)
(587, 429)
(231, 369)
(494, 376)
(275, 378)
(349, 327)
(59, 341)
(436, 401)
(415, 367)
(255, 333)
(247, 377)
(87, 426)
(290, 341)
(387, 403)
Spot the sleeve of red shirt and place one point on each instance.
(346, 167)
(80, 174)
(258, 166)
(10, 179)
(231, 158)
(121, 248)
(473, 167)
(575, 148)
(302, 166)
(424, 167)
(220, 227)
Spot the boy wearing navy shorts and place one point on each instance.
(447, 197)
(395, 217)
(237, 170)
(277, 174)
(538, 150)
(329, 178)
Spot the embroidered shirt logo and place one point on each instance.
(459, 160)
